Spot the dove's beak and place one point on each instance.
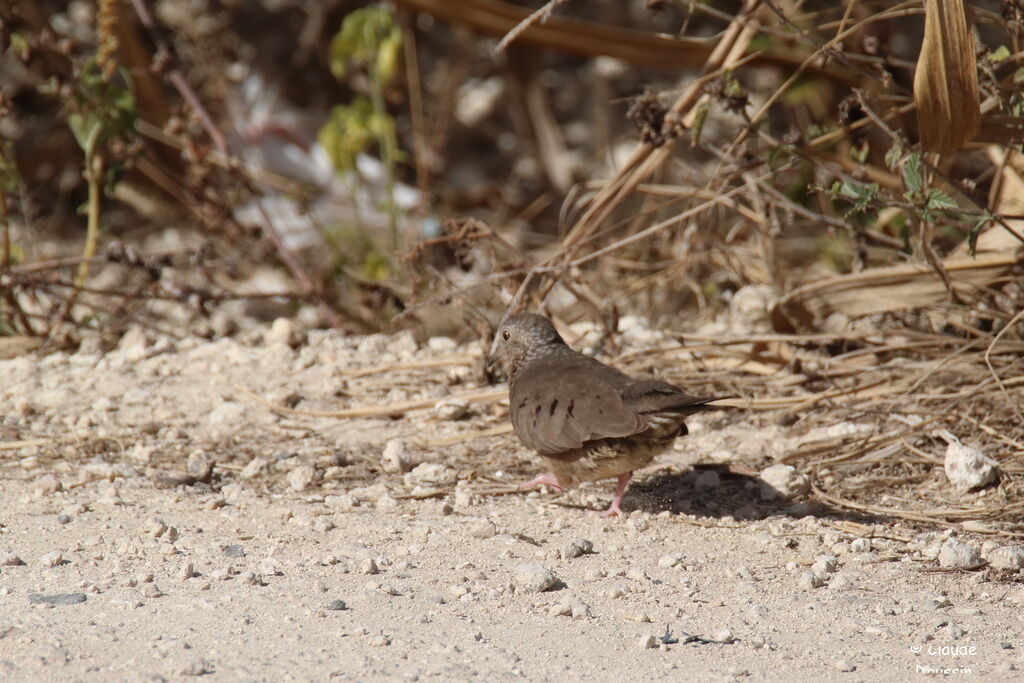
(491, 363)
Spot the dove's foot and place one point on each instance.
(614, 510)
(541, 480)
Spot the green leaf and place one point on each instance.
(893, 155)
(367, 36)
(938, 200)
(912, 173)
(348, 132)
(999, 54)
(972, 236)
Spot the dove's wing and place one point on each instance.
(560, 403)
(654, 396)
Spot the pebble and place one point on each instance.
(1007, 557)
(196, 667)
(483, 529)
(254, 468)
(860, 545)
(281, 332)
(301, 478)
(270, 567)
(187, 571)
(234, 550)
(844, 665)
(956, 554)
(966, 468)
(9, 559)
(63, 518)
(368, 566)
(670, 560)
(534, 577)
(783, 481)
(151, 590)
(451, 409)
(395, 458)
(825, 564)
(648, 642)
(577, 547)
(337, 605)
(723, 636)
(52, 559)
(199, 465)
(430, 474)
(56, 600)
(811, 580)
(47, 484)
(378, 641)
(581, 610)
(154, 527)
(562, 609)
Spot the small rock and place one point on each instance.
(581, 610)
(151, 590)
(672, 560)
(254, 468)
(483, 529)
(811, 580)
(723, 636)
(323, 524)
(63, 518)
(282, 331)
(534, 577)
(825, 564)
(56, 600)
(155, 527)
(1007, 557)
(187, 571)
(647, 642)
(301, 478)
(171, 535)
(430, 474)
(378, 641)
(966, 468)
(577, 547)
(337, 605)
(9, 559)
(958, 555)
(562, 609)
(395, 458)
(451, 409)
(47, 484)
(844, 665)
(199, 465)
(860, 545)
(234, 550)
(783, 481)
(368, 566)
(196, 667)
(269, 567)
(52, 559)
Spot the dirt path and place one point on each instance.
(172, 526)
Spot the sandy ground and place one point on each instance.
(168, 525)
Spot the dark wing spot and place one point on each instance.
(536, 412)
(554, 404)
(572, 404)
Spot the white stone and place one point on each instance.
(783, 481)
(395, 458)
(967, 469)
(534, 577)
(957, 554)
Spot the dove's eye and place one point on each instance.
(505, 335)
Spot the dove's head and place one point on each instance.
(522, 338)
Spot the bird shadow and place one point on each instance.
(728, 492)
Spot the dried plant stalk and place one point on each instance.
(946, 80)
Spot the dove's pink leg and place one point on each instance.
(614, 509)
(541, 480)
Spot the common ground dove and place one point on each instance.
(587, 420)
